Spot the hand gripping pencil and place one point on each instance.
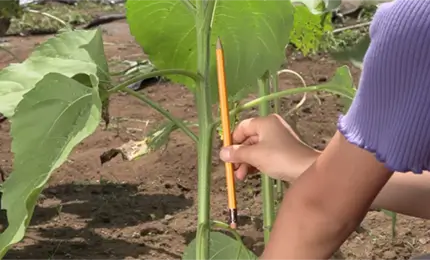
(225, 121)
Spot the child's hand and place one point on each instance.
(269, 145)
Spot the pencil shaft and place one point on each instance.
(225, 121)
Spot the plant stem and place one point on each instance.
(181, 125)
(266, 181)
(204, 14)
(283, 93)
(277, 110)
(225, 226)
(157, 73)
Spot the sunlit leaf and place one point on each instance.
(80, 45)
(70, 53)
(18, 79)
(254, 36)
(70, 112)
(222, 247)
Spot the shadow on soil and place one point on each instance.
(105, 206)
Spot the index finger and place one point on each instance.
(247, 128)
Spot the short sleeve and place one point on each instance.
(390, 115)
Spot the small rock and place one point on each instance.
(168, 217)
(135, 235)
(423, 241)
(389, 255)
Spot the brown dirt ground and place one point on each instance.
(146, 209)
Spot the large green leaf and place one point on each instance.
(254, 36)
(80, 45)
(222, 247)
(18, 79)
(70, 53)
(70, 112)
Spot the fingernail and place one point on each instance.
(224, 154)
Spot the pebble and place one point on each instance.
(389, 255)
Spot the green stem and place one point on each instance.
(153, 74)
(222, 225)
(259, 100)
(164, 112)
(204, 14)
(266, 181)
(277, 110)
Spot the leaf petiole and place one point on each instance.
(143, 76)
(181, 125)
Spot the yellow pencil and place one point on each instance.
(225, 121)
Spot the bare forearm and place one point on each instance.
(326, 203)
(405, 193)
(305, 229)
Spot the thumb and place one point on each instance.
(240, 154)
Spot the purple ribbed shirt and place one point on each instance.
(390, 115)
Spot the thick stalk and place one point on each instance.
(204, 14)
(266, 181)
(277, 110)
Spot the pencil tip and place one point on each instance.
(218, 43)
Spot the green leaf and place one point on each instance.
(254, 35)
(70, 53)
(18, 79)
(319, 6)
(222, 247)
(10, 9)
(70, 112)
(83, 45)
(341, 84)
(354, 54)
(393, 216)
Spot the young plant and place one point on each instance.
(66, 82)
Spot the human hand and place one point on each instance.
(269, 145)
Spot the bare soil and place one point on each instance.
(146, 209)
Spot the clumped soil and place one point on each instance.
(146, 209)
